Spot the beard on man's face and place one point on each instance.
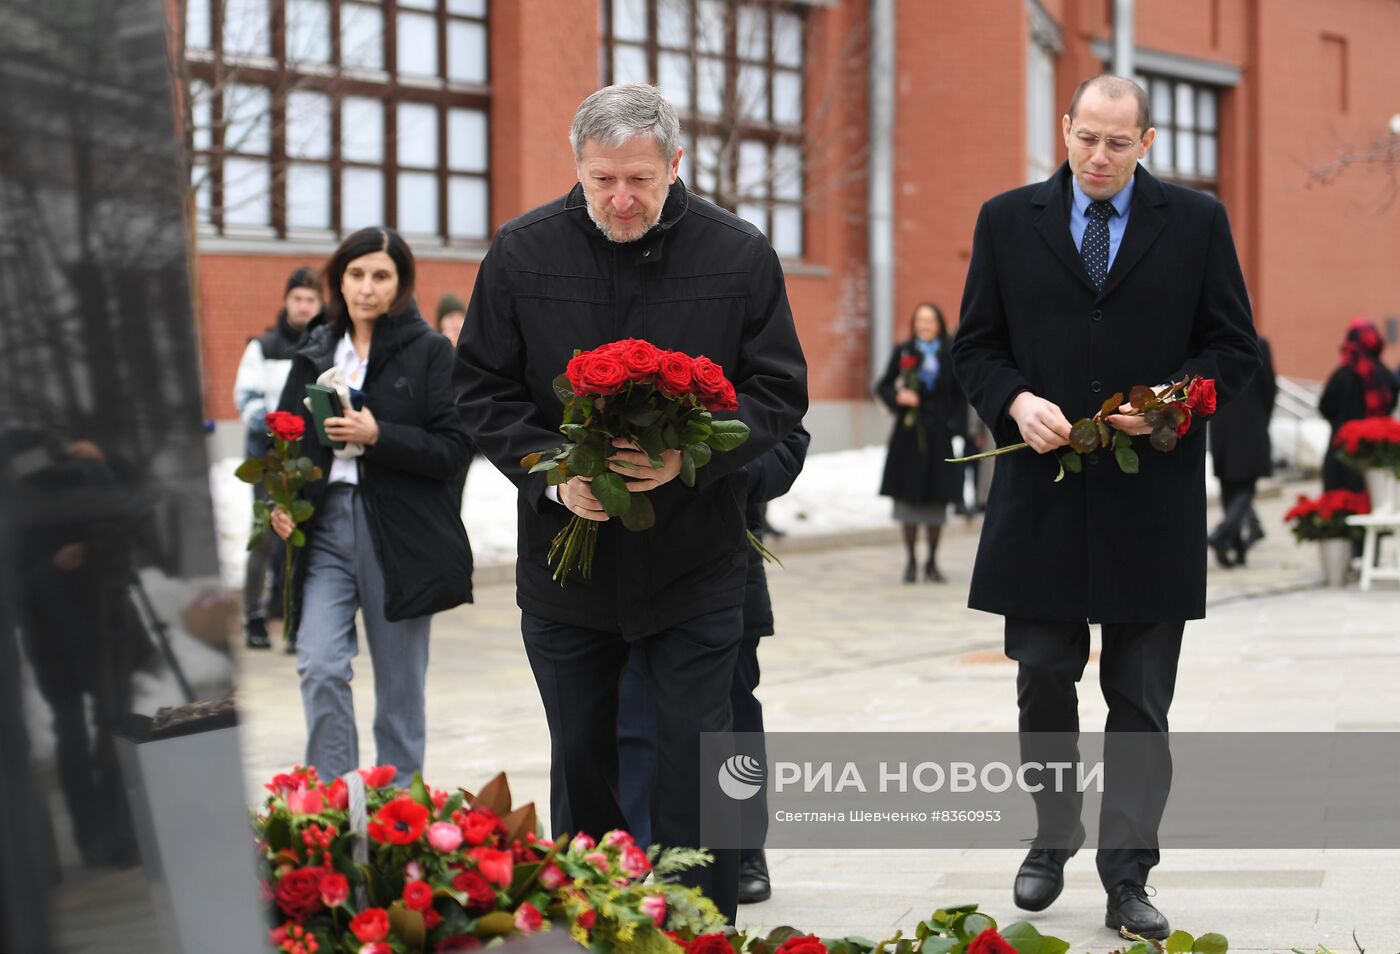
(622, 233)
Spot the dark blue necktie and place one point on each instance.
(1094, 248)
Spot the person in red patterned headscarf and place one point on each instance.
(1360, 387)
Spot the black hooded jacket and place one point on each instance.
(406, 475)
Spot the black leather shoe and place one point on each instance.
(1129, 908)
(1217, 542)
(754, 885)
(255, 635)
(1040, 878)
(911, 572)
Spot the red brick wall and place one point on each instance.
(1314, 255)
(959, 139)
(1327, 252)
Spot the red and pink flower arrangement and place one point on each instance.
(452, 871)
(658, 400)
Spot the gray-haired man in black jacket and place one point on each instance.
(630, 253)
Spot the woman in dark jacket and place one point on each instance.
(386, 538)
(929, 408)
(1241, 453)
(1360, 387)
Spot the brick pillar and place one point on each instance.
(544, 61)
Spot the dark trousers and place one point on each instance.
(636, 739)
(1137, 674)
(689, 670)
(1237, 498)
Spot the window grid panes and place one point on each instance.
(1186, 116)
(734, 70)
(317, 117)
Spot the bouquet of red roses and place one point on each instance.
(1170, 411)
(282, 472)
(1325, 517)
(659, 400)
(1369, 442)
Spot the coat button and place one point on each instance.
(1096, 387)
(1096, 315)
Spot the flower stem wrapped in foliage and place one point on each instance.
(658, 400)
(1324, 518)
(452, 871)
(1369, 442)
(282, 473)
(1170, 411)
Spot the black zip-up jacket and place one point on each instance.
(703, 282)
(406, 476)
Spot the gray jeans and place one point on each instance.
(343, 575)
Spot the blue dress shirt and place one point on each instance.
(1079, 216)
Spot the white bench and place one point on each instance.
(1375, 524)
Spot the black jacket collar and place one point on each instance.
(675, 209)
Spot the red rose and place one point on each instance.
(673, 372)
(400, 822)
(725, 400)
(481, 897)
(431, 918)
(479, 825)
(633, 862)
(284, 426)
(298, 892)
(990, 942)
(587, 919)
(496, 866)
(334, 889)
(811, 944)
(378, 947)
(908, 362)
(379, 776)
(282, 783)
(642, 358)
(337, 795)
(528, 918)
(709, 377)
(1200, 395)
(370, 925)
(417, 896)
(710, 944)
(596, 373)
(1185, 424)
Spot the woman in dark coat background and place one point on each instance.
(1241, 453)
(919, 387)
(1360, 387)
(386, 538)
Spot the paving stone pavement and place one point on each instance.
(856, 649)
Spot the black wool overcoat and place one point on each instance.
(1240, 448)
(916, 467)
(1100, 545)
